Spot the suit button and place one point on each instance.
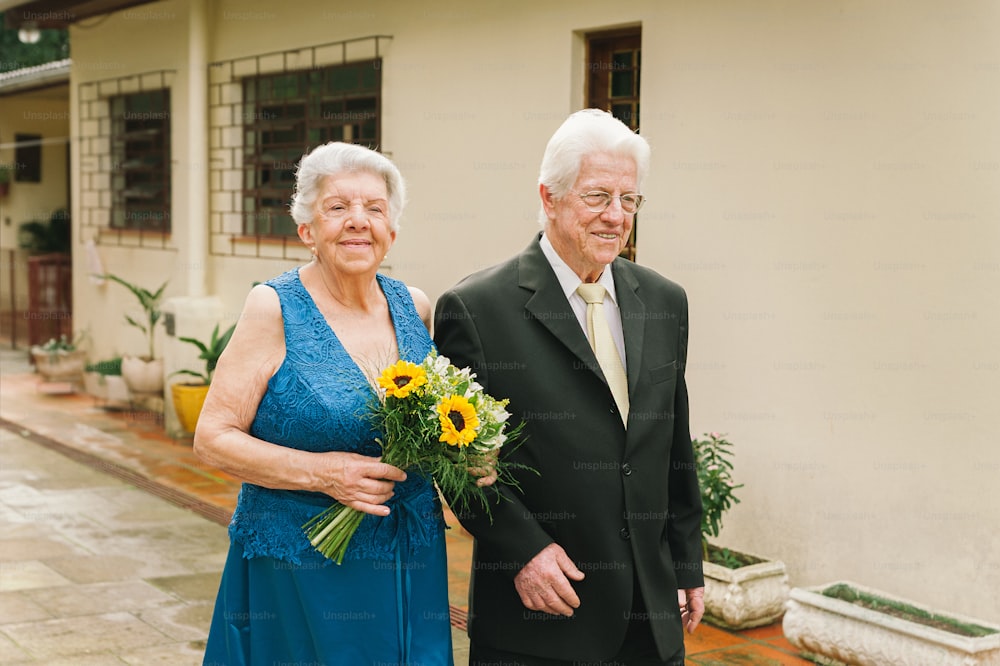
(624, 534)
(627, 469)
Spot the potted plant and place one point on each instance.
(59, 360)
(742, 590)
(104, 381)
(52, 236)
(190, 396)
(143, 374)
(845, 622)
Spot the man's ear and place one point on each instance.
(548, 201)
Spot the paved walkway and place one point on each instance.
(112, 539)
(96, 571)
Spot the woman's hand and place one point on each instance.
(357, 481)
(485, 468)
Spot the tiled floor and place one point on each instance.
(132, 445)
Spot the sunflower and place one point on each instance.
(458, 420)
(401, 379)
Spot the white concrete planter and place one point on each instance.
(61, 365)
(143, 376)
(844, 633)
(750, 596)
(109, 388)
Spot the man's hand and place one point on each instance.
(544, 582)
(692, 603)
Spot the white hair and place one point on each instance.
(584, 133)
(337, 157)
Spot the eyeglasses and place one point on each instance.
(597, 201)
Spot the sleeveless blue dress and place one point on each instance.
(280, 601)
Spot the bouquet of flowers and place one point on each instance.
(434, 419)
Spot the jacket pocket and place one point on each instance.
(663, 373)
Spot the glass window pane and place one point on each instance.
(621, 84)
(140, 137)
(292, 113)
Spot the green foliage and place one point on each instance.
(210, 353)
(53, 45)
(727, 558)
(712, 459)
(436, 421)
(731, 559)
(411, 440)
(110, 367)
(845, 592)
(44, 237)
(62, 344)
(150, 302)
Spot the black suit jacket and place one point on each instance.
(624, 504)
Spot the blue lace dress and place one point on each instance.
(280, 601)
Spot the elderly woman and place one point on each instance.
(286, 415)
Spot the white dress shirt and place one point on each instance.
(569, 281)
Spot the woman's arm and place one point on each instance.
(423, 305)
(222, 437)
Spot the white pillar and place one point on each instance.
(196, 206)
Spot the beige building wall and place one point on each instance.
(824, 184)
(44, 113)
(41, 112)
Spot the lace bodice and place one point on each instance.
(318, 401)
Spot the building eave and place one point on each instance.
(31, 78)
(59, 14)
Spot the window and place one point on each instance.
(28, 158)
(613, 67)
(287, 114)
(140, 170)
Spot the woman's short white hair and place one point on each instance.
(337, 157)
(584, 133)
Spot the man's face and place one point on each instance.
(589, 241)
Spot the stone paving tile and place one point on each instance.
(461, 646)
(100, 598)
(28, 574)
(10, 653)
(181, 621)
(17, 607)
(174, 655)
(99, 572)
(98, 659)
(108, 568)
(201, 587)
(87, 634)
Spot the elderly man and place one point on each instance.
(587, 561)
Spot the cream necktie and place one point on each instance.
(604, 345)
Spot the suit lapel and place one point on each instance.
(633, 313)
(548, 305)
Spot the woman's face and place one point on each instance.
(350, 230)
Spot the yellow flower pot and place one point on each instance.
(188, 401)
